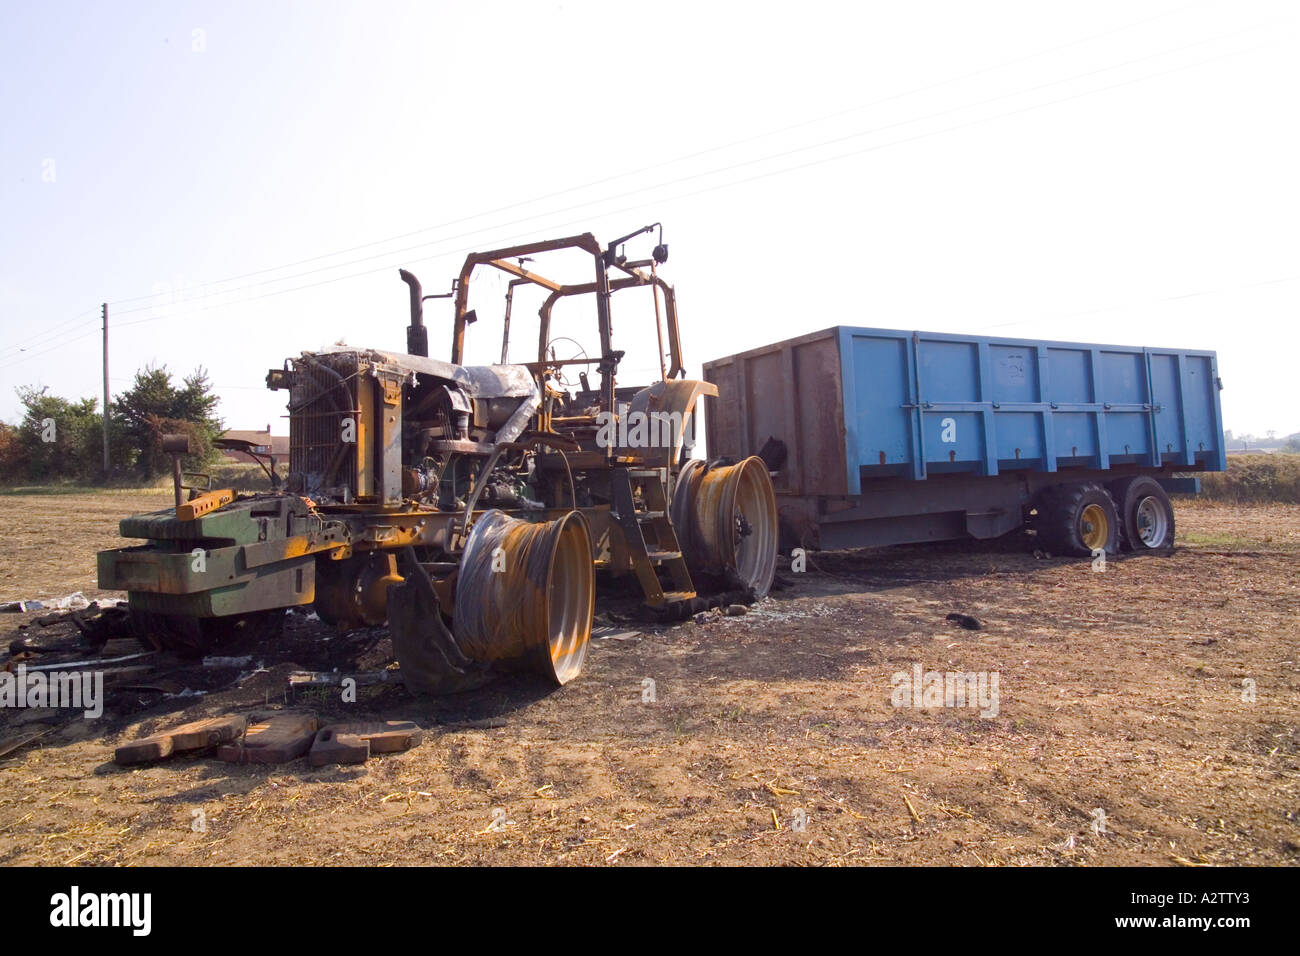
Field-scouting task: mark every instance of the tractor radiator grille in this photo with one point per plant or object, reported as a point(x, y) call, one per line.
point(323, 396)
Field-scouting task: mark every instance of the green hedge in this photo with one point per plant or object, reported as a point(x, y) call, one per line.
point(1255, 478)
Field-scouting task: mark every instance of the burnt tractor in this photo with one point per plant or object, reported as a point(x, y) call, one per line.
point(471, 509)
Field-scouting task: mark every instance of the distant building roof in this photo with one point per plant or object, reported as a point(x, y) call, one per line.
point(262, 441)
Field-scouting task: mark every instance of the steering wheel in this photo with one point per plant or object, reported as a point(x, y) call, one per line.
point(581, 352)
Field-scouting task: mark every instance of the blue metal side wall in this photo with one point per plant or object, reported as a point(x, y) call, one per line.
point(919, 403)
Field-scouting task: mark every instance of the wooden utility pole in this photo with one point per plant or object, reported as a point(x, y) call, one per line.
point(104, 307)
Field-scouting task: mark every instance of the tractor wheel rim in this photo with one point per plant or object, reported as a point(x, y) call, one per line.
point(1093, 527)
point(729, 521)
point(538, 605)
point(1152, 521)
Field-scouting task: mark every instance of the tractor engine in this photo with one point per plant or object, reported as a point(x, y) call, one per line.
point(375, 428)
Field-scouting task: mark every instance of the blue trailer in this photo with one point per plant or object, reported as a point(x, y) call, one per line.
point(877, 436)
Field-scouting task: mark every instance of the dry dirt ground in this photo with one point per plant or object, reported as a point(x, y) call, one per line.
point(1122, 734)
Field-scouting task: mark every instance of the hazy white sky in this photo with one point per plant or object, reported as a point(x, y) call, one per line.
point(1107, 172)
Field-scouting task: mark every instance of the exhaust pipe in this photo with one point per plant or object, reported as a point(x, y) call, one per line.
point(417, 336)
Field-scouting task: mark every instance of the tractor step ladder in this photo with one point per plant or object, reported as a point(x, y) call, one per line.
point(652, 523)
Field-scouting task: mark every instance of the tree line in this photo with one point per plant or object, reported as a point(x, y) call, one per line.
point(62, 439)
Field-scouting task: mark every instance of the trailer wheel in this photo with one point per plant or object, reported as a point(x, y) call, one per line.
point(1146, 514)
point(1078, 519)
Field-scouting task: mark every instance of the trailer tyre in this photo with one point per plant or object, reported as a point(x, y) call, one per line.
point(1078, 519)
point(1146, 514)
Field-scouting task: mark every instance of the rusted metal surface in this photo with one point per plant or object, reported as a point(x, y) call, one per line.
point(417, 336)
point(500, 258)
point(668, 404)
point(636, 280)
point(791, 390)
point(201, 505)
point(479, 381)
point(410, 476)
point(354, 592)
point(175, 446)
point(527, 591)
point(728, 516)
point(602, 288)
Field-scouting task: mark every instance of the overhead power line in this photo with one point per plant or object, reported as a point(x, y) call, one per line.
point(724, 185)
point(47, 334)
point(692, 155)
point(710, 172)
point(35, 340)
point(18, 359)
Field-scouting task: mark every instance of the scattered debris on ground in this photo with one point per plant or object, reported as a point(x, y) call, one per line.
point(198, 735)
point(1121, 691)
point(277, 739)
point(71, 602)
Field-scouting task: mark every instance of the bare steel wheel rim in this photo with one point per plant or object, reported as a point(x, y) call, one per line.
point(571, 601)
point(527, 590)
point(727, 521)
point(753, 532)
point(1152, 521)
point(1094, 527)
